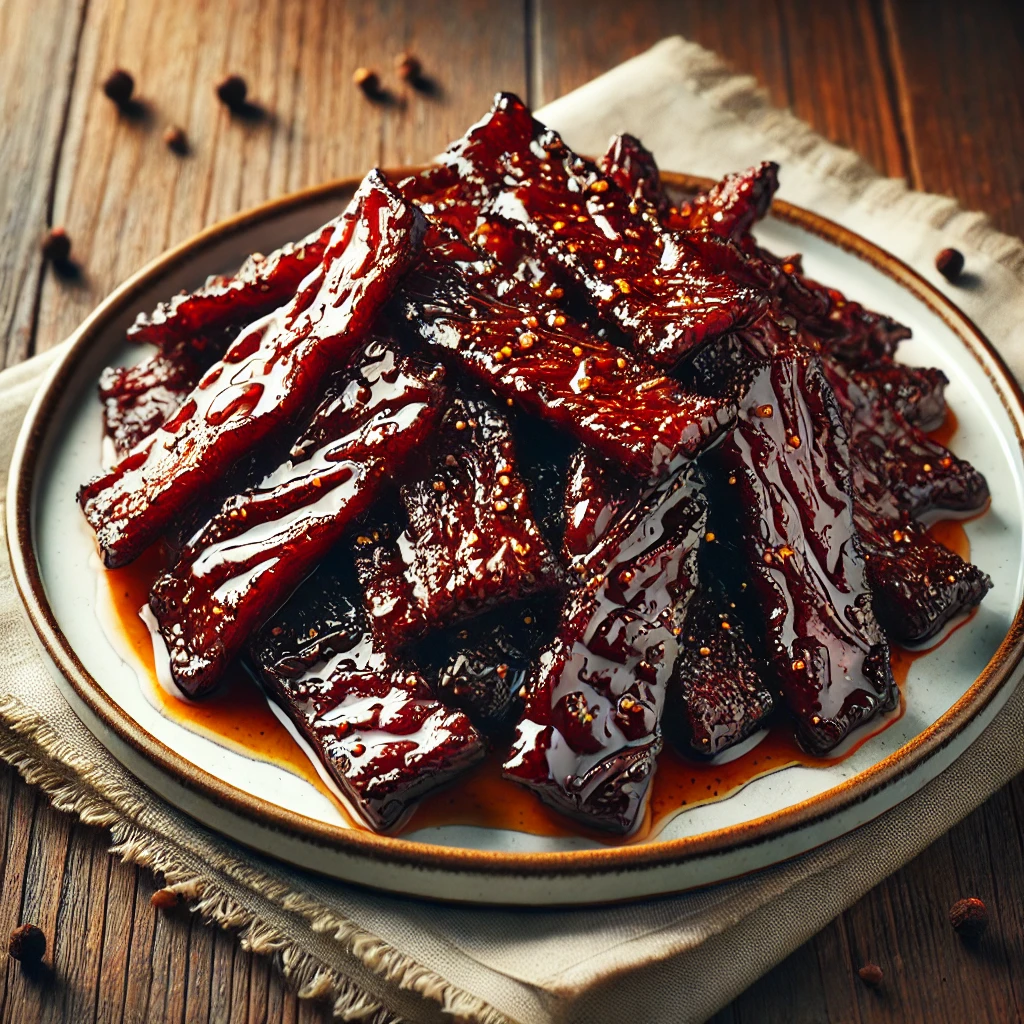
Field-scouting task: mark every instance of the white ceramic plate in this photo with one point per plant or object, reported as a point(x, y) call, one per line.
point(951, 693)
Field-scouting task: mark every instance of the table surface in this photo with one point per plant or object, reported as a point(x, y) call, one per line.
point(930, 91)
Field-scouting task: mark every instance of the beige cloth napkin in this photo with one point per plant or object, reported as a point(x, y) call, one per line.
point(675, 960)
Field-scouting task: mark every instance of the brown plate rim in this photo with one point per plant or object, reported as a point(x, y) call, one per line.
point(376, 847)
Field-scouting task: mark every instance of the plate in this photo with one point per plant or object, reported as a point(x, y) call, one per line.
point(951, 692)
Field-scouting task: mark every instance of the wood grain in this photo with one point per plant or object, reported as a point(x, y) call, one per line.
point(124, 197)
point(933, 91)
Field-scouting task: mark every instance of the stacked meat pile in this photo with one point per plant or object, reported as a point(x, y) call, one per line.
point(517, 454)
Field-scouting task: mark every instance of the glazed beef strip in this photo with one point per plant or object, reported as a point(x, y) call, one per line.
point(273, 372)
point(259, 286)
point(372, 723)
point(482, 666)
point(472, 540)
point(788, 465)
point(719, 694)
point(261, 544)
point(504, 333)
point(590, 733)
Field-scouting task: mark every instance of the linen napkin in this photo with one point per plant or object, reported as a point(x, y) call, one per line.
point(383, 958)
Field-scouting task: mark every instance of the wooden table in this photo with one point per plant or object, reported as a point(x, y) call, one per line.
point(930, 91)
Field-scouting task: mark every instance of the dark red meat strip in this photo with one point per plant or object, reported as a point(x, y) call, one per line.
point(595, 497)
point(138, 399)
point(372, 723)
point(590, 732)
point(262, 543)
point(921, 475)
point(507, 335)
point(719, 695)
point(918, 584)
point(632, 167)
point(649, 281)
point(472, 539)
point(261, 284)
point(788, 463)
point(269, 376)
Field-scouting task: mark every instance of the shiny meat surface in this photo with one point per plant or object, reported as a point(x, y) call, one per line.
point(371, 722)
point(472, 540)
point(271, 373)
point(590, 733)
point(252, 554)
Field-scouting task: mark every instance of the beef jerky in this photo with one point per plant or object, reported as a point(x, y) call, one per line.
point(261, 544)
point(590, 732)
point(373, 724)
point(472, 539)
point(272, 373)
point(260, 285)
point(719, 694)
point(505, 334)
point(788, 464)
point(595, 497)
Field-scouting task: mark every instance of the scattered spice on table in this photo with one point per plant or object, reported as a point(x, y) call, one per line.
point(950, 264)
point(408, 67)
point(56, 246)
point(232, 91)
point(165, 899)
point(969, 917)
point(176, 140)
point(27, 944)
point(368, 81)
point(871, 974)
point(118, 87)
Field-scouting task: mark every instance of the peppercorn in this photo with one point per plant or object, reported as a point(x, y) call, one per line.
point(969, 917)
point(871, 974)
point(28, 944)
point(56, 246)
point(231, 91)
point(368, 81)
point(164, 899)
point(950, 264)
point(119, 86)
point(176, 140)
point(408, 67)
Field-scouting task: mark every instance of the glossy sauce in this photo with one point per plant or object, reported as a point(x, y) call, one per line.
point(238, 716)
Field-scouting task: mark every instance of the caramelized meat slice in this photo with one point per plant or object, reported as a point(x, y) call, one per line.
point(917, 393)
point(729, 210)
point(272, 373)
point(918, 585)
point(595, 497)
point(719, 695)
point(632, 167)
point(649, 281)
point(788, 464)
point(138, 399)
point(373, 725)
point(261, 284)
point(263, 542)
point(590, 732)
point(506, 335)
point(472, 540)
point(921, 474)
point(482, 667)
point(732, 206)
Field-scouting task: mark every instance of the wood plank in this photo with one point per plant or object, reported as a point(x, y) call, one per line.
point(960, 76)
point(124, 197)
point(39, 47)
point(823, 60)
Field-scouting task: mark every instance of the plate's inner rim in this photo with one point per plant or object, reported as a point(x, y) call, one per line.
point(60, 383)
